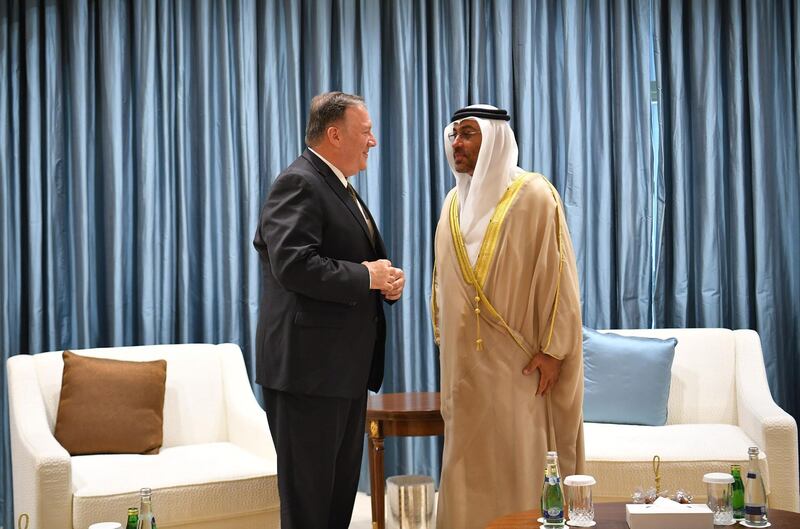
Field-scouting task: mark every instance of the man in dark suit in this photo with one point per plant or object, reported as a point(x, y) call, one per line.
point(321, 328)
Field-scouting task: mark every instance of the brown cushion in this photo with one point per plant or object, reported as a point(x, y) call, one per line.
point(111, 406)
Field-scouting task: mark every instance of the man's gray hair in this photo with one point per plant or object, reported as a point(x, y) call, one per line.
point(326, 109)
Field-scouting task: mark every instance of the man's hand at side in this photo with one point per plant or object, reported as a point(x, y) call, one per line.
point(549, 371)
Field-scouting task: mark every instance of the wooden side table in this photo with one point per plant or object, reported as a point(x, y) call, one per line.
point(401, 415)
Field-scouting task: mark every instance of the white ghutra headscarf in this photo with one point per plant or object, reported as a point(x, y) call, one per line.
point(495, 169)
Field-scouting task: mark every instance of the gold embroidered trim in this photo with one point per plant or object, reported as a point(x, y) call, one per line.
point(485, 255)
point(492, 236)
point(435, 306)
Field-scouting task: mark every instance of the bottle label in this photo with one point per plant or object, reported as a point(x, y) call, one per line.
point(554, 514)
point(553, 480)
point(755, 510)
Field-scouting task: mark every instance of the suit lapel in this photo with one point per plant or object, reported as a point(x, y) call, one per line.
point(377, 244)
point(344, 195)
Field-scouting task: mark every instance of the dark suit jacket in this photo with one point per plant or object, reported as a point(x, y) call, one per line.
point(321, 330)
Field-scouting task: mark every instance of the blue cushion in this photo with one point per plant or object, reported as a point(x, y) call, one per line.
point(626, 378)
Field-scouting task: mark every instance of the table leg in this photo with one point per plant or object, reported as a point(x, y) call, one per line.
point(376, 475)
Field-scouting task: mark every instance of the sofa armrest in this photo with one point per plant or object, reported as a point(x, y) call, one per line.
point(774, 430)
point(249, 429)
point(247, 422)
point(41, 469)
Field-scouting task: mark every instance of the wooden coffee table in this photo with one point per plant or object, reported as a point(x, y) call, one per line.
point(398, 414)
point(612, 516)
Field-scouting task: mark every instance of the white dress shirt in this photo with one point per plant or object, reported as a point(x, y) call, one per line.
point(342, 179)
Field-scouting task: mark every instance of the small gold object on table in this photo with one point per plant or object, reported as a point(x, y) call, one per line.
point(657, 472)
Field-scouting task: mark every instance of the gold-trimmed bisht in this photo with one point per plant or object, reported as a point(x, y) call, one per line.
point(477, 276)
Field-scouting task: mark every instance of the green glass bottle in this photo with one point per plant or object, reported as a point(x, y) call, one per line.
point(133, 518)
point(542, 508)
point(737, 493)
point(552, 494)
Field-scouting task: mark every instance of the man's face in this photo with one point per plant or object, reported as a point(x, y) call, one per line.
point(356, 140)
point(466, 144)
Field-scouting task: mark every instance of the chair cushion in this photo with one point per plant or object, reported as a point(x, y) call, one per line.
point(192, 483)
point(110, 406)
point(626, 378)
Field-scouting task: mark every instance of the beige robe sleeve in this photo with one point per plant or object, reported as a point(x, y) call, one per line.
point(557, 296)
point(443, 224)
point(435, 306)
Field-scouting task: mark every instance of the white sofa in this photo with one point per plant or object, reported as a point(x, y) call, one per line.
point(217, 467)
point(719, 405)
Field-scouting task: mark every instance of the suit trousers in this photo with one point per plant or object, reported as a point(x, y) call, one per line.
point(319, 442)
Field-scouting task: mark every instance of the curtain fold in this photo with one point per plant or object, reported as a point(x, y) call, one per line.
point(581, 110)
point(728, 79)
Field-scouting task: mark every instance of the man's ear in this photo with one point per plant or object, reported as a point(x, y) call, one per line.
point(333, 135)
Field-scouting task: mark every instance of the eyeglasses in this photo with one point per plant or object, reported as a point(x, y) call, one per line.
point(465, 136)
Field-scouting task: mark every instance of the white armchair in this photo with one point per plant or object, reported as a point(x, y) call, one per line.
point(217, 467)
point(719, 405)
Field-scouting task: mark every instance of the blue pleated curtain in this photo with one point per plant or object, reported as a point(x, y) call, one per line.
point(729, 241)
point(138, 139)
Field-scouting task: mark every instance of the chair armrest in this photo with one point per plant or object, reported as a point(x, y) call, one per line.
point(247, 422)
point(41, 468)
point(774, 430)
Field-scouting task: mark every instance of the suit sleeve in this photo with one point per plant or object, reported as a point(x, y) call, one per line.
point(291, 226)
